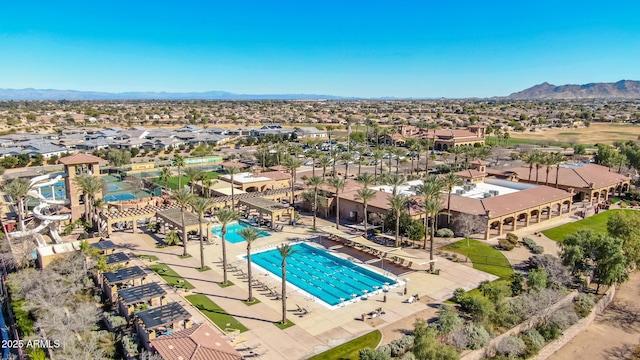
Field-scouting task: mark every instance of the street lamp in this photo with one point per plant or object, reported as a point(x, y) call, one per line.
point(406, 282)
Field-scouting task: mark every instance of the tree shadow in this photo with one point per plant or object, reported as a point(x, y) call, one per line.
point(623, 351)
point(624, 314)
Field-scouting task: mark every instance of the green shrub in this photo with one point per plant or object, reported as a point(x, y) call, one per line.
point(445, 233)
point(583, 304)
point(534, 342)
point(506, 244)
point(549, 331)
point(478, 336)
point(512, 238)
point(24, 320)
point(478, 307)
point(532, 245)
point(517, 281)
point(537, 279)
point(459, 295)
point(172, 238)
point(537, 249)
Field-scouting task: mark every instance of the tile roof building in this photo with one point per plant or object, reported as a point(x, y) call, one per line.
point(200, 342)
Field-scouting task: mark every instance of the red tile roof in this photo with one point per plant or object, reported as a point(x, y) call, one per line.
point(200, 342)
point(470, 173)
point(576, 177)
point(80, 159)
point(275, 175)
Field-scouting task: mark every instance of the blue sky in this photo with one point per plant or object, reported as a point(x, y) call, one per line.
point(349, 48)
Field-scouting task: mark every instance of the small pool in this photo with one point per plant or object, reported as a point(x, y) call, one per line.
point(323, 275)
point(113, 187)
point(119, 197)
point(232, 232)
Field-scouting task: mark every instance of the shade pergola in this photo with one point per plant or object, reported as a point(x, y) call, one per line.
point(173, 217)
point(266, 207)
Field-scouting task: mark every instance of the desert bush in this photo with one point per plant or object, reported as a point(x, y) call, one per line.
point(478, 336)
point(517, 281)
point(408, 356)
point(583, 304)
point(511, 346)
point(512, 238)
point(459, 295)
point(372, 354)
point(534, 342)
point(172, 238)
point(478, 307)
point(537, 279)
point(495, 291)
point(549, 331)
point(506, 244)
point(557, 274)
point(445, 233)
point(564, 317)
point(509, 313)
point(448, 320)
point(399, 347)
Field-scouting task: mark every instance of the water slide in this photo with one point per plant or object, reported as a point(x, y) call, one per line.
point(40, 211)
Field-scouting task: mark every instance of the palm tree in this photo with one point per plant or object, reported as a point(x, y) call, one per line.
point(285, 251)
point(201, 206)
point(165, 176)
point(249, 234)
point(397, 203)
point(432, 208)
point(232, 171)
point(552, 159)
point(225, 216)
point(18, 189)
point(427, 155)
point(178, 161)
point(416, 149)
point(366, 195)
point(324, 162)
point(91, 186)
point(183, 198)
point(395, 181)
point(538, 160)
point(559, 160)
point(430, 190)
point(346, 157)
point(529, 158)
point(456, 151)
point(193, 175)
point(365, 179)
point(206, 185)
point(450, 181)
point(314, 154)
point(399, 154)
point(338, 184)
point(292, 164)
point(378, 154)
point(314, 182)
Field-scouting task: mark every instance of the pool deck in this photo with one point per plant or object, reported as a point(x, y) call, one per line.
point(322, 327)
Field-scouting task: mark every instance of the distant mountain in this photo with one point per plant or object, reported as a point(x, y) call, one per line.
point(52, 94)
point(623, 89)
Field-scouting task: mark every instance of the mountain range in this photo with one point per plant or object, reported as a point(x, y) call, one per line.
point(53, 94)
point(623, 89)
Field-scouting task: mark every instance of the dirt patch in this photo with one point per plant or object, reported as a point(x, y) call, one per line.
point(614, 334)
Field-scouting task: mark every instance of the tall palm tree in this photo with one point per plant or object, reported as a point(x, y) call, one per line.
point(456, 151)
point(178, 161)
point(430, 189)
point(91, 186)
point(206, 185)
point(378, 155)
point(552, 159)
point(18, 189)
point(365, 179)
point(263, 150)
point(559, 160)
point(346, 157)
point(165, 176)
point(394, 181)
point(315, 182)
point(365, 195)
point(285, 250)
point(529, 158)
point(193, 175)
point(183, 198)
point(314, 154)
point(201, 206)
point(324, 162)
point(399, 154)
point(432, 208)
point(416, 149)
point(225, 216)
point(249, 234)
point(450, 181)
point(397, 204)
point(292, 164)
point(232, 171)
point(538, 161)
point(338, 184)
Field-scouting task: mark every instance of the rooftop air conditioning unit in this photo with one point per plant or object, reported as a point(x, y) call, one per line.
point(487, 195)
point(459, 192)
point(494, 192)
point(467, 187)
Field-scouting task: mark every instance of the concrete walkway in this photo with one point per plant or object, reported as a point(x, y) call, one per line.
point(322, 328)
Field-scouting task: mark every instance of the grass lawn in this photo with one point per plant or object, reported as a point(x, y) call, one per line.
point(206, 268)
point(173, 181)
point(170, 276)
point(596, 223)
point(229, 283)
point(351, 349)
point(148, 257)
point(484, 257)
point(215, 313)
point(284, 326)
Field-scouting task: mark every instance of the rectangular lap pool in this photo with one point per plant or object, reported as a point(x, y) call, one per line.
point(232, 232)
point(323, 275)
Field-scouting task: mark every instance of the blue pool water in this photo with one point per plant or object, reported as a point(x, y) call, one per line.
point(113, 187)
point(322, 274)
point(232, 232)
point(119, 197)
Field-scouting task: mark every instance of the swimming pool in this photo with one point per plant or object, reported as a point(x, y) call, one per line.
point(323, 275)
point(232, 232)
point(119, 197)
